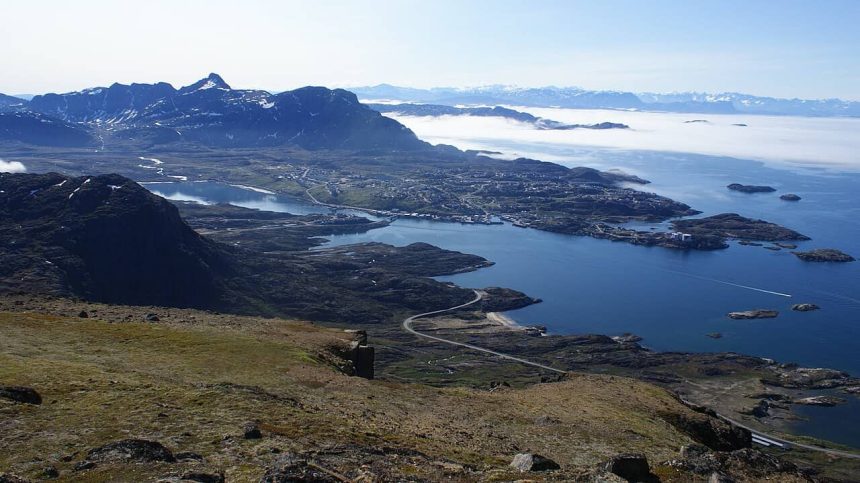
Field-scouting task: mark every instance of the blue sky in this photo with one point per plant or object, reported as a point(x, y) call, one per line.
point(782, 48)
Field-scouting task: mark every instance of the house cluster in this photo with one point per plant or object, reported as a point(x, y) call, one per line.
point(681, 237)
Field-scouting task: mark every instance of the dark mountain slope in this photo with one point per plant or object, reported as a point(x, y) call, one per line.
point(104, 238)
point(107, 239)
point(33, 128)
point(10, 102)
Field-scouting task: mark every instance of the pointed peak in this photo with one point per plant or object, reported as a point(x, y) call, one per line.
point(212, 81)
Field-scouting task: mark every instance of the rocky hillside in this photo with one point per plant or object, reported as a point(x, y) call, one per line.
point(195, 396)
point(106, 238)
point(210, 112)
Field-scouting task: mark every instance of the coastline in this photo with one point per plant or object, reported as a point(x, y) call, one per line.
point(503, 320)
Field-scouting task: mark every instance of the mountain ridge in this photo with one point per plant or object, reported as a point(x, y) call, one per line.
point(578, 98)
point(211, 113)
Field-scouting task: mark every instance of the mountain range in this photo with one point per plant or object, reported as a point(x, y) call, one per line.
point(208, 112)
point(577, 98)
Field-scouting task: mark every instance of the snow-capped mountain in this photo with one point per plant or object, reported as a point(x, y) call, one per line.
point(574, 97)
point(212, 113)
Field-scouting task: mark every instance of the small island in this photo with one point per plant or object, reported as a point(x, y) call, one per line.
point(732, 225)
point(824, 255)
point(753, 314)
point(804, 307)
point(790, 197)
point(749, 188)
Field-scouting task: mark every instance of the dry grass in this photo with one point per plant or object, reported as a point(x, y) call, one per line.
point(191, 385)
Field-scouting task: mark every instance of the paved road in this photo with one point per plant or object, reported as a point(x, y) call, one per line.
point(407, 325)
point(344, 207)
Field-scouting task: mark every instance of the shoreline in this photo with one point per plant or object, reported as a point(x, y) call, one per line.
point(503, 320)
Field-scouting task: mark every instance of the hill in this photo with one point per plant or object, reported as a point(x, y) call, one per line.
point(106, 238)
point(198, 395)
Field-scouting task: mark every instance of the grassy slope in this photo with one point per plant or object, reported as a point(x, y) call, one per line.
point(191, 385)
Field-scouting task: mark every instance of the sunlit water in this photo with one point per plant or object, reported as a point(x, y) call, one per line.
point(671, 298)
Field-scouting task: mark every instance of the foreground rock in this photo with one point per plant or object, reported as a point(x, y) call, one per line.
point(21, 394)
point(631, 467)
point(804, 307)
point(748, 188)
point(824, 255)
point(131, 450)
point(533, 462)
point(742, 465)
point(754, 314)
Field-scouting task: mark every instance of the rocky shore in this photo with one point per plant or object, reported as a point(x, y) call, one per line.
point(824, 255)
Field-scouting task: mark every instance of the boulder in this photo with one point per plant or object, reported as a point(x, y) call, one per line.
point(630, 466)
point(804, 307)
point(10, 478)
point(131, 450)
point(83, 314)
point(21, 394)
point(524, 462)
point(251, 431)
point(152, 318)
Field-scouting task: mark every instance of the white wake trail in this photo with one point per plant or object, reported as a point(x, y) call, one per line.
point(724, 282)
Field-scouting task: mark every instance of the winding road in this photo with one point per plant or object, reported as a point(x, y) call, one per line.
point(407, 325)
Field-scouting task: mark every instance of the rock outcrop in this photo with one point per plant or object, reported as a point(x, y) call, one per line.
point(631, 467)
point(524, 462)
point(20, 394)
point(131, 450)
point(754, 314)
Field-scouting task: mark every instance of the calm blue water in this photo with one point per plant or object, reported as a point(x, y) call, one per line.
point(670, 298)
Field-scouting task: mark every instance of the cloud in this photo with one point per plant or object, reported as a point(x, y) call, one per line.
point(796, 141)
point(12, 167)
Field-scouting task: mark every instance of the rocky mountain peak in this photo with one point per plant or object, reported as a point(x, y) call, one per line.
point(212, 81)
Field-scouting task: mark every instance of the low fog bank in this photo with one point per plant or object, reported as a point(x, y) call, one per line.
point(12, 167)
point(795, 141)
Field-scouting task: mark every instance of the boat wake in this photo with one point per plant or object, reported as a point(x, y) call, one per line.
point(725, 282)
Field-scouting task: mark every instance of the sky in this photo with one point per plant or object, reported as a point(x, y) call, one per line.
point(780, 48)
